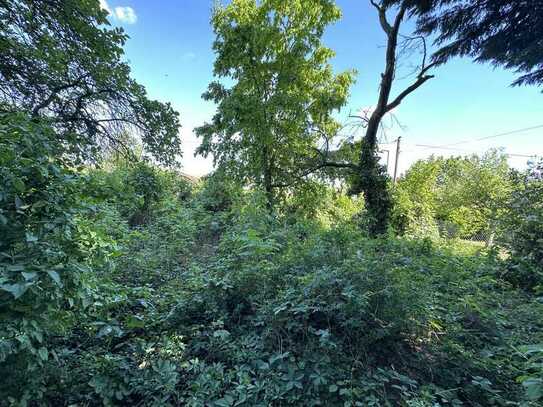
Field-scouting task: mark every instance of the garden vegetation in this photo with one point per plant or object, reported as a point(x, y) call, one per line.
point(263, 284)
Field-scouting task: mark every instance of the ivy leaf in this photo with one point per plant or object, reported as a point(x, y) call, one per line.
point(533, 388)
point(29, 275)
point(17, 290)
point(31, 238)
point(18, 203)
point(56, 278)
point(43, 353)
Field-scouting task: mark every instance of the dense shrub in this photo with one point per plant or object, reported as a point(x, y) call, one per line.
point(218, 192)
point(304, 315)
point(414, 210)
point(215, 301)
point(145, 183)
point(452, 197)
point(315, 201)
point(44, 251)
point(521, 229)
point(160, 250)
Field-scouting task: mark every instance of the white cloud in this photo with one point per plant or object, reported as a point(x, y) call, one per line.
point(123, 14)
point(126, 15)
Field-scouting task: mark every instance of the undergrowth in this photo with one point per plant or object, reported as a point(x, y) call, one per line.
point(208, 300)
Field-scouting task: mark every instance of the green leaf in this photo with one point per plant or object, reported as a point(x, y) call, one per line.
point(135, 321)
point(529, 349)
point(533, 388)
point(225, 402)
point(332, 388)
point(38, 335)
point(104, 331)
point(221, 333)
point(56, 278)
point(43, 353)
point(29, 275)
point(18, 202)
point(17, 290)
point(30, 237)
point(262, 365)
point(86, 301)
point(19, 185)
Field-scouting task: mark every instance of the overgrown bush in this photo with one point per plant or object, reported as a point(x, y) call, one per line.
point(414, 209)
point(218, 192)
point(459, 197)
point(44, 252)
point(215, 301)
point(145, 183)
point(521, 229)
point(318, 202)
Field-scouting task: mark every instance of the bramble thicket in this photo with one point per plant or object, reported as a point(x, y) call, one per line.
point(268, 282)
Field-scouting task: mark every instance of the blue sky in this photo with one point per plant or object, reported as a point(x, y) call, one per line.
point(170, 53)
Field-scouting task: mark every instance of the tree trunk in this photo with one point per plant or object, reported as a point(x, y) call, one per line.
point(372, 178)
point(268, 189)
point(373, 183)
point(268, 180)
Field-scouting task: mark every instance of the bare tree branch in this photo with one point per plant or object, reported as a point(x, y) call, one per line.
point(421, 77)
point(414, 86)
point(382, 17)
point(54, 93)
point(399, 18)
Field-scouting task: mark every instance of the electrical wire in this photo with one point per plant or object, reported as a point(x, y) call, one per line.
point(471, 151)
point(493, 136)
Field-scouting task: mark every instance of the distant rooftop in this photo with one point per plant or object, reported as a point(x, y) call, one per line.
point(188, 177)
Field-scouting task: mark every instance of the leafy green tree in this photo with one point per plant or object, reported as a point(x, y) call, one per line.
point(283, 90)
point(145, 181)
point(60, 59)
point(521, 227)
point(464, 195)
point(471, 193)
point(41, 263)
point(415, 200)
point(503, 32)
point(366, 175)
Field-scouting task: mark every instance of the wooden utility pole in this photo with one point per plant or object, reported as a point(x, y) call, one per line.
point(397, 157)
point(388, 158)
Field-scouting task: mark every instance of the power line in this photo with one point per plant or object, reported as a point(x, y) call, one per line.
point(471, 151)
point(540, 126)
point(447, 146)
point(494, 136)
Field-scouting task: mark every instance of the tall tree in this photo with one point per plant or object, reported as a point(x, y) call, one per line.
point(503, 32)
point(283, 92)
point(464, 195)
point(60, 59)
point(367, 176)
